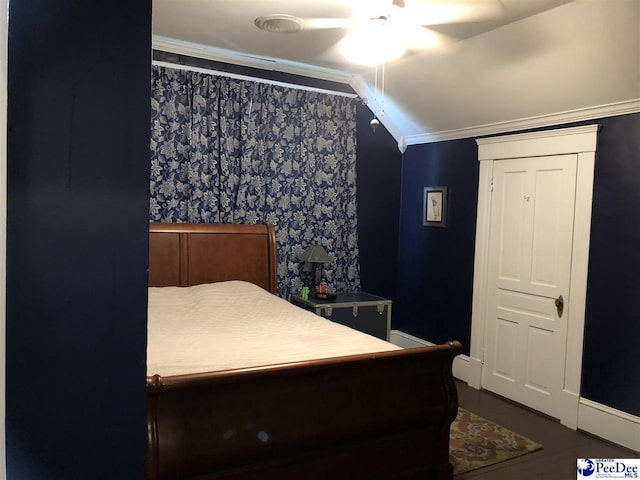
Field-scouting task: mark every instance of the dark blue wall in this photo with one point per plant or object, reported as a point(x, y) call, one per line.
point(436, 265)
point(611, 360)
point(379, 167)
point(78, 173)
point(435, 271)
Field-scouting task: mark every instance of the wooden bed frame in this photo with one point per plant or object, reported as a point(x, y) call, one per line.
point(380, 415)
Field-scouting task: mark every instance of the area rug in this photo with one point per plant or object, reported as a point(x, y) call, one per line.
point(476, 442)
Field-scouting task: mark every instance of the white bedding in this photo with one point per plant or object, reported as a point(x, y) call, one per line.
point(237, 324)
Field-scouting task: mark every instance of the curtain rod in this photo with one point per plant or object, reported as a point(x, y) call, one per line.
point(253, 79)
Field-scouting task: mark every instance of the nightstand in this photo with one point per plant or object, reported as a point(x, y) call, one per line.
point(359, 310)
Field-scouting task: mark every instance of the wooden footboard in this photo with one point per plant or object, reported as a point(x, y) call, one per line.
point(380, 416)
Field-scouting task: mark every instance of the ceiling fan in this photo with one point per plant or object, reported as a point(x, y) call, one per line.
point(379, 31)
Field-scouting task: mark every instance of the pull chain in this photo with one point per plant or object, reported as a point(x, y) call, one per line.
point(375, 123)
point(382, 99)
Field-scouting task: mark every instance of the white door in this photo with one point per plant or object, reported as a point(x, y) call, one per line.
point(529, 265)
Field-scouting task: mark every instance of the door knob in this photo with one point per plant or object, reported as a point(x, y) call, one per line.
point(559, 305)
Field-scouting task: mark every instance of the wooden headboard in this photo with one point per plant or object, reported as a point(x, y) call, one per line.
point(185, 254)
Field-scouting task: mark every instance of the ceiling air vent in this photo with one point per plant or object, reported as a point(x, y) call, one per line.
point(279, 23)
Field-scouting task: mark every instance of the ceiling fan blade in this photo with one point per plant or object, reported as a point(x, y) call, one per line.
point(440, 12)
point(428, 39)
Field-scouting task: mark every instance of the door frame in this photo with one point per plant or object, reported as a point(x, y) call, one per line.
point(580, 141)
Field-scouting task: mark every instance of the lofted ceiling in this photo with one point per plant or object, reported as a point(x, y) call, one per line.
point(493, 66)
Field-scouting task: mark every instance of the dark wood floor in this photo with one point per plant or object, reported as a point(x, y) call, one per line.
point(562, 446)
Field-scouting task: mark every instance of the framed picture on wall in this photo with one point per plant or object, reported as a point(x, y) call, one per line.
point(434, 207)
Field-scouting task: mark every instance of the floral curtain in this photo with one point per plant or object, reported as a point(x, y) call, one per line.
point(234, 151)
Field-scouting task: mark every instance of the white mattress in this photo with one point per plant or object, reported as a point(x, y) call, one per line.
point(228, 325)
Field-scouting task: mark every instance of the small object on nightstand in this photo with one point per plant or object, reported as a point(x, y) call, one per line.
point(305, 293)
point(329, 297)
point(323, 292)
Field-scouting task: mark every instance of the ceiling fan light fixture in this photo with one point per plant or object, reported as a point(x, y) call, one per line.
point(279, 23)
point(371, 45)
point(380, 32)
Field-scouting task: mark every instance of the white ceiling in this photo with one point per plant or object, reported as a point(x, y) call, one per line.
point(519, 63)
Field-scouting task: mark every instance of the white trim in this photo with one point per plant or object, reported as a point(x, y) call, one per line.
point(197, 50)
point(461, 367)
point(356, 81)
point(364, 90)
point(579, 269)
point(405, 340)
point(605, 422)
point(559, 141)
point(609, 423)
point(582, 142)
point(475, 373)
point(480, 264)
point(295, 86)
point(578, 115)
point(4, 45)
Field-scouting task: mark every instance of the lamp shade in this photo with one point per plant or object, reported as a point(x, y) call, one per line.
point(314, 253)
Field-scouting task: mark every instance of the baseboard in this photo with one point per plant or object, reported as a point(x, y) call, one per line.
point(460, 363)
point(475, 373)
point(608, 423)
point(600, 420)
point(404, 340)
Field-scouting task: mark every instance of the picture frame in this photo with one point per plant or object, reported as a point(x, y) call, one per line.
point(434, 206)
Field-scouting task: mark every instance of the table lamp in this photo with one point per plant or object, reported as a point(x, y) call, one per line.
point(315, 255)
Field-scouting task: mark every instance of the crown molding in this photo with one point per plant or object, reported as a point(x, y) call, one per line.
point(191, 49)
point(364, 91)
point(571, 116)
point(356, 81)
point(253, 79)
